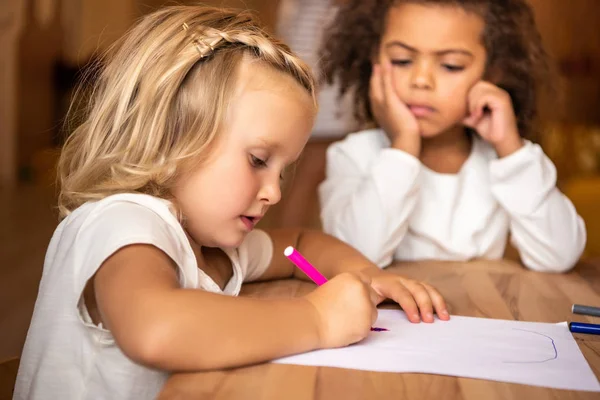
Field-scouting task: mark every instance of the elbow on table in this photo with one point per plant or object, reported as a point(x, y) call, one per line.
point(157, 348)
point(146, 345)
point(558, 262)
point(559, 255)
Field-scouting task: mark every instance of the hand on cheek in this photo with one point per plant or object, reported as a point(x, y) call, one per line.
point(392, 115)
point(491, 114)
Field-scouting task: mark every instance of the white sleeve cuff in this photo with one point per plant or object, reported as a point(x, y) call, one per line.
point(522, 181)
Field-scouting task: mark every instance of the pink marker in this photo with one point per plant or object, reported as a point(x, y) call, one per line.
point(299, 261)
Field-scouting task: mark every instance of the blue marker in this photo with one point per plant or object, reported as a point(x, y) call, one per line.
point(580, 327)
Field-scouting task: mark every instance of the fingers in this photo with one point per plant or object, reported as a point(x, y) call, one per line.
point(376, 95)
point(428, 299)
point(389, 93)
point(418, 300)
point(401, 295)
point(375, 299)
point(366, 280)
point(422, 299)
point(376, 85)
point(373, 295)
point(382, 89)
point(439, 304)
point(374, 315)
point(475, 103)
point(484, 95)
point(471, 121)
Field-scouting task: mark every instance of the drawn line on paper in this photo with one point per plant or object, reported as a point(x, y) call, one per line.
point(536, 362)
point(375, 329)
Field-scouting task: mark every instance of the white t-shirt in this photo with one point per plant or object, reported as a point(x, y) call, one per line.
point(66, 356)
point(388, 205)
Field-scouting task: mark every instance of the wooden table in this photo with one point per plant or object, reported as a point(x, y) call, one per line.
point(490, 289)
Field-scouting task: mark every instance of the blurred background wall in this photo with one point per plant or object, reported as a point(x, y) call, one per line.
point(47, 42)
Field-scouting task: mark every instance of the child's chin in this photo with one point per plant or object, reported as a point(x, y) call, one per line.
point(430, 131)
point(233, 241)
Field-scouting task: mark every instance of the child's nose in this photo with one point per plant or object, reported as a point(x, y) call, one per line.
point(271, 191)
point(422, 76)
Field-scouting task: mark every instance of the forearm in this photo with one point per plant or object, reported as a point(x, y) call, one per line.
point(545, 227)
point(552, 238)
point(330, 256)
point(192, 330)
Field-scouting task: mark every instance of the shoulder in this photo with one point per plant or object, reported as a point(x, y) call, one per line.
point(124, 219)
point(253, 255)
point(98, 229)
point(126, 211)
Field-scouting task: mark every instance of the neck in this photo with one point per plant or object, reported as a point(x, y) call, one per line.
point(446, 152)
point(197, 249)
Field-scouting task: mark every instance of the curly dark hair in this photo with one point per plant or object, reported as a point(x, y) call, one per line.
point(516, 56)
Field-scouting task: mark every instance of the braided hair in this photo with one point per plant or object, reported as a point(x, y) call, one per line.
point(160, 99)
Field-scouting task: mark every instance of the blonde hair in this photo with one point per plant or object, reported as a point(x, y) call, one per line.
point(160, 100)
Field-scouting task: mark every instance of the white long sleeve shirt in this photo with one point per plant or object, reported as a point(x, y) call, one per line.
point(389, 206)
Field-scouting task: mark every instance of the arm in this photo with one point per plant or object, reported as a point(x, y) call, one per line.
point(328, 254)
point(333, 257)
point(158, 324)
point(545, 227)
point(369, 208)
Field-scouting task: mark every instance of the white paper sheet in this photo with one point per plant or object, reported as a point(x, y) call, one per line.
point(530, 353)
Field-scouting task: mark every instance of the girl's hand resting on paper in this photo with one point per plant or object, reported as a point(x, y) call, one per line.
point(392, 115)
point(346, 307)
point(419, 300)
point(492, 115)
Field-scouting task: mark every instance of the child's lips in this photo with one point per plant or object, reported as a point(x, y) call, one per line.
point(419, 110)
point(250, 221)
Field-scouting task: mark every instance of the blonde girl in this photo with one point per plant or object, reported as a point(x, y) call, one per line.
point(194, 118)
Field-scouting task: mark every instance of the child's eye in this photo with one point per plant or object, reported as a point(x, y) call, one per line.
point(453, 68)
point(257, 162)
point(401, 63)
point(260, 163)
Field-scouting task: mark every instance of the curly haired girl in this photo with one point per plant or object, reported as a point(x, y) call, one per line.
point(452, 86)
